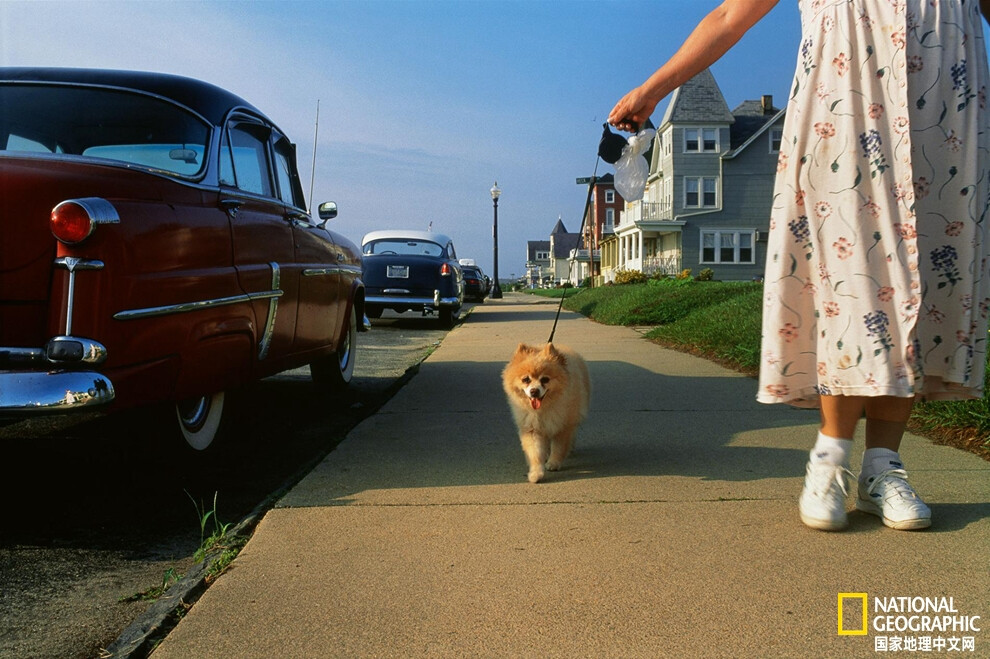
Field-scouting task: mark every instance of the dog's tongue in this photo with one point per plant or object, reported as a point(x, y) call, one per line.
point(535, 402)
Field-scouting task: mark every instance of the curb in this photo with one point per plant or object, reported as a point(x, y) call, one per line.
point(139, 639)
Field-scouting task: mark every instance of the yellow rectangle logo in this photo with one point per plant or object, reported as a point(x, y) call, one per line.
point(862, 631)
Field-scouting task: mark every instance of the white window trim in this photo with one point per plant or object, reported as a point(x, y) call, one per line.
point(701, 139)
point(610, 196)
point(701, 191)
point(718, 252)
point(779, 131)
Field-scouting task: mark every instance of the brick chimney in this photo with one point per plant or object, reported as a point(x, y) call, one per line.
point(766, 102)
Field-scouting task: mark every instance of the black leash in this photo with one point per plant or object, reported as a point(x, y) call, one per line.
point(584, 217)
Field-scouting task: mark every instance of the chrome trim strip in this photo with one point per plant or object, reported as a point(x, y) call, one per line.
point(266, 337)
point(100, 210)
point(183, 307)
point(331, 270)
point(315, 272)
point(59, 391)
point(73, 263)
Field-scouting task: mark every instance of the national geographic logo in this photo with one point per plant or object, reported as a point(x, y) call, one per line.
point(856, 602)
point(908, 624)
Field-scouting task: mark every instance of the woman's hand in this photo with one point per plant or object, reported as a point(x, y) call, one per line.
point(632, 110)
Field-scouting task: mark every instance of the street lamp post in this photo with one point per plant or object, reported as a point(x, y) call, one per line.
point(496, 287)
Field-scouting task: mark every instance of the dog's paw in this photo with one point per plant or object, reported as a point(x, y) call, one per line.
point(535, 475)
point(553, 465)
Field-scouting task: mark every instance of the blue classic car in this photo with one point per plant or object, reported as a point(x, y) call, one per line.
point(411, 271)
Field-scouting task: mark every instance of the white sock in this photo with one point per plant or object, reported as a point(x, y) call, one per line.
point(831, 450)
point(877, 460)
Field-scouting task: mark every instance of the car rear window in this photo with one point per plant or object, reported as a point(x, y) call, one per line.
point(399, 246)
point(102, 123)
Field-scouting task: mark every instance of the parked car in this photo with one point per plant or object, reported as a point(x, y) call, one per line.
point(157, 249)
point(475, 286)
point(411, 270)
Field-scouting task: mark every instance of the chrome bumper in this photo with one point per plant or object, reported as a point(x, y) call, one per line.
point(33, 392)
point(386, 300)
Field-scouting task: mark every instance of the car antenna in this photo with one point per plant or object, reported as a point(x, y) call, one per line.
point(316, 134)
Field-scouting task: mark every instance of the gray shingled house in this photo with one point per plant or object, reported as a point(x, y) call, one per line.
point(708, 196)
point(562, 243)
point(537, 263)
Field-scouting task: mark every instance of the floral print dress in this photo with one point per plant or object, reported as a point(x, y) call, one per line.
point(876, 278)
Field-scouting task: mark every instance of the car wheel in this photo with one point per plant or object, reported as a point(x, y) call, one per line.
point(448, 317)
point(202, 419)
point(335, 371)
point(373, 312)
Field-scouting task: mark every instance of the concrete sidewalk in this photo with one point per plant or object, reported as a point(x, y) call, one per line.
point(672, 531)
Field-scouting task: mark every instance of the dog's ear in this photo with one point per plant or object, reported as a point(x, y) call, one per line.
point(551, 353)
point(522, 348)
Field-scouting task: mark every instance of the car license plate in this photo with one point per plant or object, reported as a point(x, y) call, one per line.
point(398, 272)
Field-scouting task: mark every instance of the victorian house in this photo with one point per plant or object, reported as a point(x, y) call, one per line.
point(602, 210)
point(708, 196)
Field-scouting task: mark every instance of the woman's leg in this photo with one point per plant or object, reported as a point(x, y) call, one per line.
point(883, 487)
point(840, 414)
point(886, 419)
point(823, 500)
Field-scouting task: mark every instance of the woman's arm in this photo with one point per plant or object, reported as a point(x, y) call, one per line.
point(712, 37)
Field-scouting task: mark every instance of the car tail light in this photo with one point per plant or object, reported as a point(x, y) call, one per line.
point(73, 220)
point(446, 270)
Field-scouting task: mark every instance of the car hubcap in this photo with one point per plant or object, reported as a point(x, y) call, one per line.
point(193, 412)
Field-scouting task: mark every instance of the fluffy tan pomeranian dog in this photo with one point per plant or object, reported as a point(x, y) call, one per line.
point(548, 390)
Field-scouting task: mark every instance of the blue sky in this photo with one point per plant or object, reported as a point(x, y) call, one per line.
point(423, 103)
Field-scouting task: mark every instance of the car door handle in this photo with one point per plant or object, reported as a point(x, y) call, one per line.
point(231, 206)
point(300, 217)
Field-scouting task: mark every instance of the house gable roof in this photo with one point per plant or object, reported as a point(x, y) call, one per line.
point(563, 243)
point(699, 100)
point(750, 118)
point(736, 150)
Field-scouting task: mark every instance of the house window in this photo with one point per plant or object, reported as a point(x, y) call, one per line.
point(700, 140)
point(610, 196)
point(542, 256)
point(700, 192)
point(609, 219)
point(776, 136)
point(728, 246)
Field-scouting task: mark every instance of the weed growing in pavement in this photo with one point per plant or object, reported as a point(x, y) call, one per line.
point(219, 545)
point(168, 578)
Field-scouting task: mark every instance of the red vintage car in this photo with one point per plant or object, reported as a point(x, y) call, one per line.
point(156, 248)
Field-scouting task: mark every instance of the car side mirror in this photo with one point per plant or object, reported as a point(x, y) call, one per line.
point(327, 211)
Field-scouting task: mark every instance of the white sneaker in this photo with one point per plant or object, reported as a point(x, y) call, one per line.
point(823, 499)
point(889, 496)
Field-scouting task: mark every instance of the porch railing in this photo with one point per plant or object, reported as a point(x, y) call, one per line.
point(664, 265)
point(647, 211)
